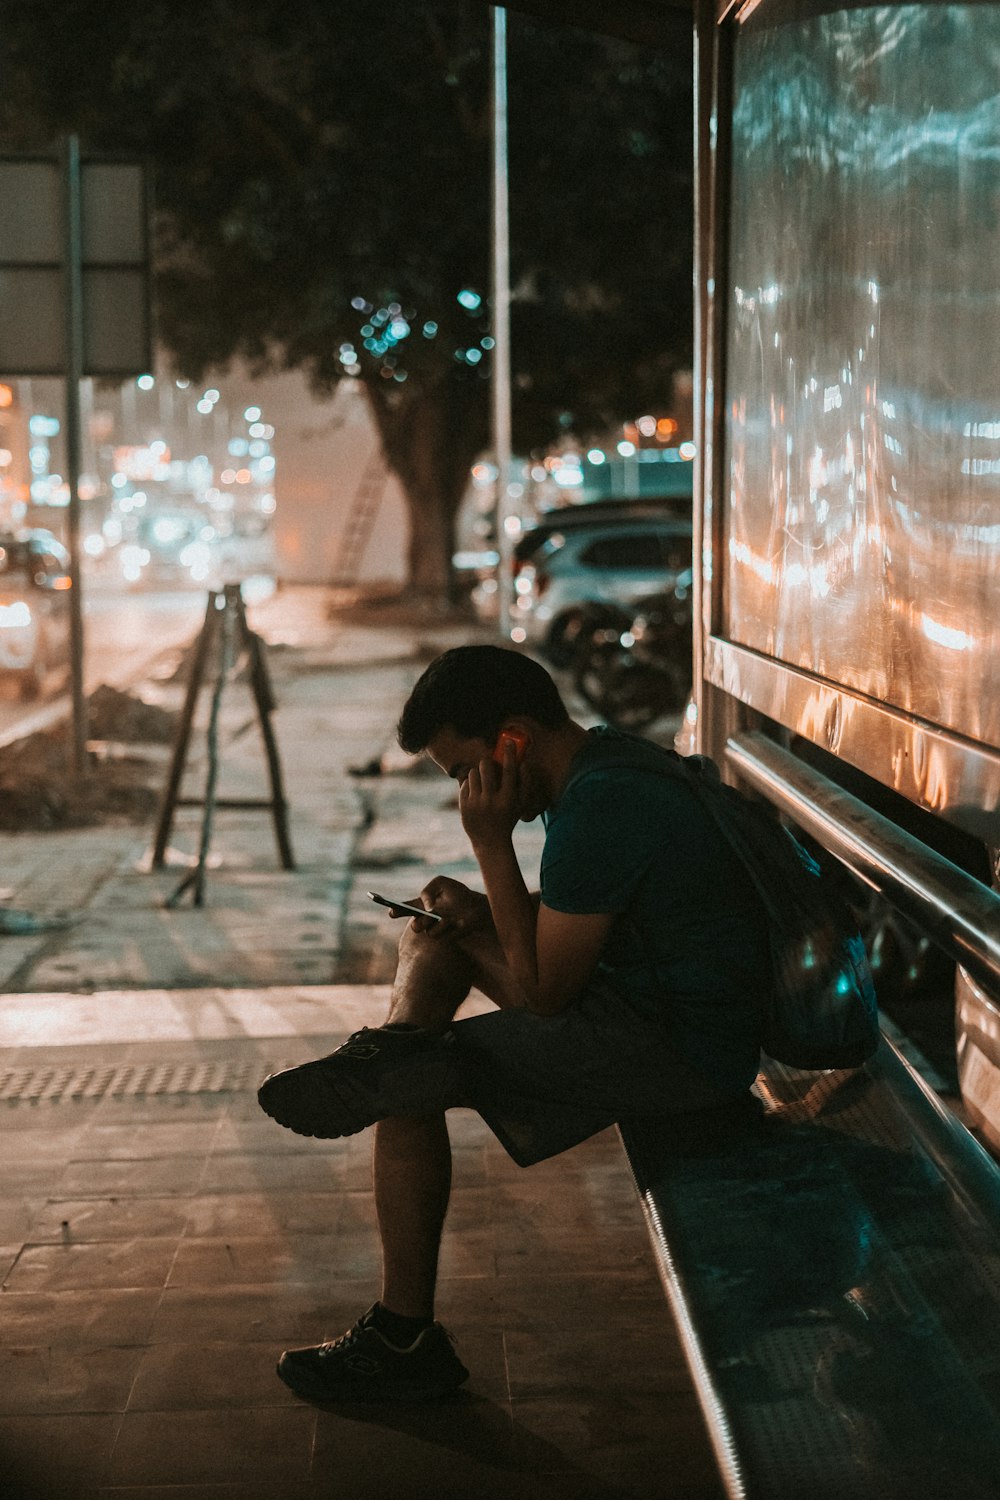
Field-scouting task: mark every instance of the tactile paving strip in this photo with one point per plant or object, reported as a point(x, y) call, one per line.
point(131, 1080)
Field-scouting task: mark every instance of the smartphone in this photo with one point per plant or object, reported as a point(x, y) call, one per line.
point(515, 737)
point(418, 911)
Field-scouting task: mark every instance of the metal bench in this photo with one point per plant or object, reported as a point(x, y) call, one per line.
point(834, 1269)
point(832, 1258)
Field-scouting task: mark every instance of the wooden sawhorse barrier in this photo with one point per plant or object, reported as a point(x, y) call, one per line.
point(226, 629)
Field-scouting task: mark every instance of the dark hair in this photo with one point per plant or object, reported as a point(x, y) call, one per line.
point(474, 690)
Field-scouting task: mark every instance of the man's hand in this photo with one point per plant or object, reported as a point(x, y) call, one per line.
point(489, 800)
point(460, 909)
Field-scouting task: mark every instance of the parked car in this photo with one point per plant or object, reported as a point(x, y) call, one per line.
point(34, 609)
point(604, 554)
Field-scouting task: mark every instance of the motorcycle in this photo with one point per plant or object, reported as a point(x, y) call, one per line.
point(633, 669)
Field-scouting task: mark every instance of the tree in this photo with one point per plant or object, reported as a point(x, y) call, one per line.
point(322, 193)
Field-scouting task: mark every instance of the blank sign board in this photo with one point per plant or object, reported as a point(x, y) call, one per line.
point(114, 247)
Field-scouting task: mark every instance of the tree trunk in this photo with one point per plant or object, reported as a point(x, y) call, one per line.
point(430, 436)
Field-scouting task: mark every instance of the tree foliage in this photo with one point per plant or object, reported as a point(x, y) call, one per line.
point(323, 201)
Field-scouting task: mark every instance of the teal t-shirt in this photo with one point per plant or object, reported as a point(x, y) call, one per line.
point(689, 946)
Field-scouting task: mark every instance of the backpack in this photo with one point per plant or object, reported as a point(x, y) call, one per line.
point(822, 1010)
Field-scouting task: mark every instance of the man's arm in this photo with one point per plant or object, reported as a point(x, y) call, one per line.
point(551, 955)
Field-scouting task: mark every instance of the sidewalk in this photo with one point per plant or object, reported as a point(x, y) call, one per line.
point(161, 1241)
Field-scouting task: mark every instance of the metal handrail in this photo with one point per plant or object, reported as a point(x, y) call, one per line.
point(957, 912)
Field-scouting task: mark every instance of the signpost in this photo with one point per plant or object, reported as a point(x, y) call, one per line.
point(74, 301)
point(501, 317)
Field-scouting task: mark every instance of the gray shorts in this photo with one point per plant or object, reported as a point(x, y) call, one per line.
point(546, 1083)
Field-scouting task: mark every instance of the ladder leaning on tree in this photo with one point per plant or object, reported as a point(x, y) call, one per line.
point(364, 508)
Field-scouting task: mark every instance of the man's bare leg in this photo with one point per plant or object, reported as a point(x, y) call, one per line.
point(411, 1157)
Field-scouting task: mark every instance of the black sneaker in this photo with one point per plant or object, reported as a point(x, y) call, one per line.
point(363, 1366)
point(377, 1072)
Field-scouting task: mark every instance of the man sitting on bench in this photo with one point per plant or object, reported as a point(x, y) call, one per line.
point(630, 985)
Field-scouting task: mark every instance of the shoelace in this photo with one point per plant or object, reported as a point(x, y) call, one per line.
point(346, 1341)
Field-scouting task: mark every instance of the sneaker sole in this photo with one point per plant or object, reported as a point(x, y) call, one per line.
point(312, 1105)
point(325, 1100)
point(382, 1396)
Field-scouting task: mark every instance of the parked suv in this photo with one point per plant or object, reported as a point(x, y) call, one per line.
point(595, 554)
point(34, 609)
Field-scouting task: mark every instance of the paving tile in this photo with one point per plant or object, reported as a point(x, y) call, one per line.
point(568, 1360)
point(72, 1267)
point(170, 1138)
point(94, 1318)
point(457, 1447)
point(314, 1171)
point(468, 1251)
point(201, 1376)
point(247, 1214)
point(56, 1378)
point(259, 1135)
point(87, 1220)
point(32, 1179)
point(622, 1297)
point(26, 1140)
point(158, 1109)
point(199, 1447)
point(521, 1244)
point(246, 1261)
point(286, 1315)
point(649, 1447)
point(480, 1347)
point(152, 1178)
point(242, 1490)
point(51, 1457)
point(16, 1218)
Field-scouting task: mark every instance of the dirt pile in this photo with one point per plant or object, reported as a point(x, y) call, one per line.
point(113, 715)
point(39, 788)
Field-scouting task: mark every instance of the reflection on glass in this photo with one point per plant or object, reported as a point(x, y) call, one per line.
point(863, 514)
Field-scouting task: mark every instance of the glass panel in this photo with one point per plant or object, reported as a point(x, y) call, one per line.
point(863, 514)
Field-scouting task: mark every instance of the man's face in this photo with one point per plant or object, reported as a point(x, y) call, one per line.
point(456, 755)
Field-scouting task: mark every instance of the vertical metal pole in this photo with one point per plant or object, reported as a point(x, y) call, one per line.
point(501, 314)
point(73, 296)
